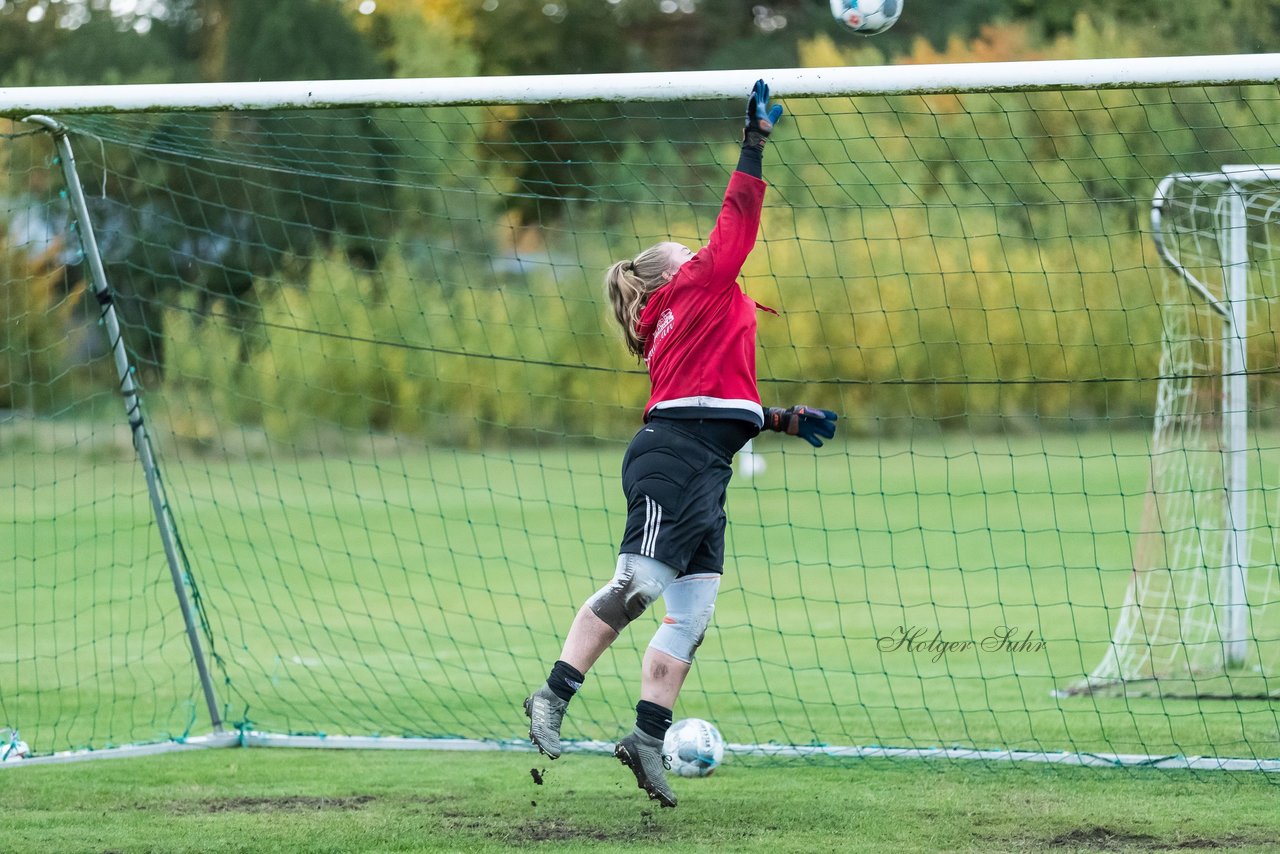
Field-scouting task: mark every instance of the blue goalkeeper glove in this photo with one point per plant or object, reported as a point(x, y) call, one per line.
point(812, 425)
point(760, 116)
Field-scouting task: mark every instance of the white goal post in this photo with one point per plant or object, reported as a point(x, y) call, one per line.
point(1233, 308)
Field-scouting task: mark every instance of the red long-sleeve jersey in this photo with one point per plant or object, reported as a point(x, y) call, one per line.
point(699, 329)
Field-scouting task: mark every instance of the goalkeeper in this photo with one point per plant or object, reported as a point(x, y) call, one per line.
point(695, 328)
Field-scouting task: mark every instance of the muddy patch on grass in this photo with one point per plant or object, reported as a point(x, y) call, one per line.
point(549, 830)
point(555, 830)
point(1108, 839)
point(1100, 839)
point(285, 803)
point(559, 831)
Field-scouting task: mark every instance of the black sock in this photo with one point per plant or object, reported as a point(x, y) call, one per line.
point(652, 719)
point(564, 681)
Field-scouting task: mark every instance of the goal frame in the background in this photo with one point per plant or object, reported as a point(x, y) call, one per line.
point(1221, 198)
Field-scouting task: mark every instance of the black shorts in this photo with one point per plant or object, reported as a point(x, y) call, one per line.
point(675, 474)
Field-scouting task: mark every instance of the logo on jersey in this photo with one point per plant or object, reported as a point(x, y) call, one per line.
point(665, 322)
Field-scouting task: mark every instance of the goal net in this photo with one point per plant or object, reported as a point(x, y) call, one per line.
point(364, 353)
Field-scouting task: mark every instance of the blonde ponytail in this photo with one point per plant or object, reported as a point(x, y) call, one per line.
point(628, 285)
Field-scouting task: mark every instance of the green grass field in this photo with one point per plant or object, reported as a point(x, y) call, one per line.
point(304, 800)
point(389, 590)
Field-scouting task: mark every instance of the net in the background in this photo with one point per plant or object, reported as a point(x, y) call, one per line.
point(390, 410)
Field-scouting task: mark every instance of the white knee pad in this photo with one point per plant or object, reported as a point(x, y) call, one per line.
point(636, 584)
point(690, 602)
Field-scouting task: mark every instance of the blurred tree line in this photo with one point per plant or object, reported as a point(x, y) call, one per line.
point(96, 41)
point(339, 187)
point(51, 42)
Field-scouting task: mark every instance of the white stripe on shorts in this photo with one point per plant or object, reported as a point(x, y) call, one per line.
point(648, 527)
point(652, 522)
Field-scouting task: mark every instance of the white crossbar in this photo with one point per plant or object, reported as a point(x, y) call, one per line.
point(1121, 73)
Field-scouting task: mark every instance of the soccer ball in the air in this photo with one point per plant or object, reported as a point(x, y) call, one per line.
point(867, 17)
point(695, 747)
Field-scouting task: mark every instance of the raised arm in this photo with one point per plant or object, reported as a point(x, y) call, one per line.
point(736, 227)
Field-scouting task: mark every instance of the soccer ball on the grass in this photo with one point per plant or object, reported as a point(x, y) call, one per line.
point(12, 748)
point(695, 747)
point(867, 17)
